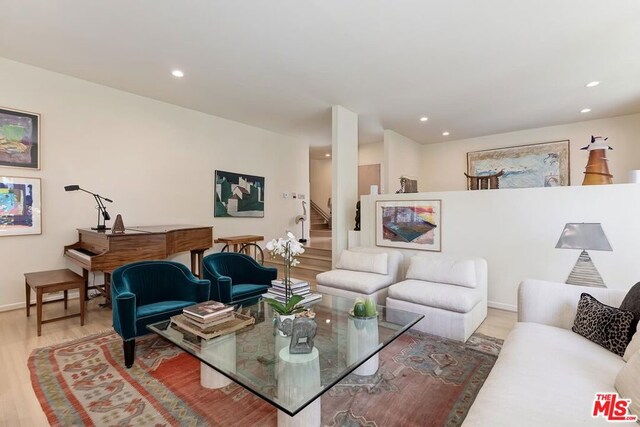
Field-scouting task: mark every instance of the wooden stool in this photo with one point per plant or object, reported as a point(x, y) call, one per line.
point(44, 282)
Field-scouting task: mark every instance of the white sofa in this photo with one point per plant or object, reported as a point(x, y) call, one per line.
point(452, 295)
point(547, 375)
point(354, 275)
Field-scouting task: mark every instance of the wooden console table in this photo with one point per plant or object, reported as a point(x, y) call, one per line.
point(239, 241)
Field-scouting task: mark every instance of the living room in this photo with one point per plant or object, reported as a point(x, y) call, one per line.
point(257, 92)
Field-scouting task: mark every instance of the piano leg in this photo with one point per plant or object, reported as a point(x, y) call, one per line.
point(85, 276)
point(196, 262)
point(107, 290)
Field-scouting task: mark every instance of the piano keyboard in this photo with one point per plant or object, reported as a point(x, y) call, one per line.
point(80, 255)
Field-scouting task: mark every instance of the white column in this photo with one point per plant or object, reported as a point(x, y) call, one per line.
point(344, 194)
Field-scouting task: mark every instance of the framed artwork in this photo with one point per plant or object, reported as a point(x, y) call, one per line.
point(19, 139)
point(525, 166)
point(411, 224)
point(20, 210)
point(238, 195)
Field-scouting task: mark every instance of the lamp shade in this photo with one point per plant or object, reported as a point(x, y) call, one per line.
point(581, 235)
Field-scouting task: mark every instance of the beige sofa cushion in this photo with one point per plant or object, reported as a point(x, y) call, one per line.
point(355, 281)
point(633, 347)
point(363, 261)
point(628, 383)
point(453, 272)
point(438, 295)
point(545, 376)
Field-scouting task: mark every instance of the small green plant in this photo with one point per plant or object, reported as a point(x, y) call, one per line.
point(286, 309)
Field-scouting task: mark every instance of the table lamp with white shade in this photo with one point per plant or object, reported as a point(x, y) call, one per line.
point(585, 236)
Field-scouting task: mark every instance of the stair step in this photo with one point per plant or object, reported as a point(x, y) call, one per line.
point(277, 262)
point(317, 251)
point(320, 233)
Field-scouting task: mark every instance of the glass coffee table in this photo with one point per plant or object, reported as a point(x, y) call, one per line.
point(258, 358)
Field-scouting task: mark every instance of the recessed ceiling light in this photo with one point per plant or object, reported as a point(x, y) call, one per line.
point(424, 119)
point(327, 155)
point(592, 84)
point(585, 110)
point(177, 73)
point(445, 133)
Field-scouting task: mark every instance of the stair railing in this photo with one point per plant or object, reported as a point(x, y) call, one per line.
point(323, 214)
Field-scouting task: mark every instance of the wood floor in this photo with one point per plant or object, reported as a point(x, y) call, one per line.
point(18, 403)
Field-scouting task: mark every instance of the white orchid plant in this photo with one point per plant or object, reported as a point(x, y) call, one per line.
point(288, 249)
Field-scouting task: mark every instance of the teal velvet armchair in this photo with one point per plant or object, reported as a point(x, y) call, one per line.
point(236, 278)
point(151, 291)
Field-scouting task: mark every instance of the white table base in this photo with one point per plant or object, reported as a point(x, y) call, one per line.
point(222, 351)
point(299, 379)
point(362, 336)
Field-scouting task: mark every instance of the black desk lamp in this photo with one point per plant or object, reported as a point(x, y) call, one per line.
point(102, 210)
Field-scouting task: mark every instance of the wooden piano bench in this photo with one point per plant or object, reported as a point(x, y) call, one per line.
point(44, 282)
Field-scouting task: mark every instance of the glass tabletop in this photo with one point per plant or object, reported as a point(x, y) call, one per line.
point(258, 357)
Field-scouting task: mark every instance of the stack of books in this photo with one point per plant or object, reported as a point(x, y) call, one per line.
point(210, 319)
point(208, 314)
point(297, 287)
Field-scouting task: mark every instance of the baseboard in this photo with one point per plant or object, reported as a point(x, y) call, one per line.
point(73, 294)
point(502, 306)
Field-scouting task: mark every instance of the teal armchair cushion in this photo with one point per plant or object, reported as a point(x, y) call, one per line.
point(150, 291)
point(235, 277)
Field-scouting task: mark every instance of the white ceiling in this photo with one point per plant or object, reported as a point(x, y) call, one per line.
point(473, 67)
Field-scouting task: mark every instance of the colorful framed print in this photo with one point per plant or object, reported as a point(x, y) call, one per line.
point(525, 166)
point(410, 224)
point(238, 195)
point(20, 206)
point(19, 139)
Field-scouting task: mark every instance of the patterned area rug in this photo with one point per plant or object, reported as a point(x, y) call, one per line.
point(423, 380)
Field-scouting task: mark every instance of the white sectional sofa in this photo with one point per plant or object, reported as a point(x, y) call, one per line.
point(452, 295)
point(547, 375)
point(362, 272)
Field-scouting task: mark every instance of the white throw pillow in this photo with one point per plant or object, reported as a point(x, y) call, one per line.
point(633, 347)
point(461, 273)
point(363, 261)
point(628, 383)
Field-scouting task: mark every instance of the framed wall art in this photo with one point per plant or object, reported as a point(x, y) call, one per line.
point(20, 210)
point(410, 224)
point(19, 139)
point(525, 166)
point(238, 195)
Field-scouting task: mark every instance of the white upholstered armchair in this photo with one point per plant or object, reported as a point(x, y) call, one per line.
point(362, 272)
point(452, 295)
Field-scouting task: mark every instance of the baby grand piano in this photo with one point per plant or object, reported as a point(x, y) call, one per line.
point(106, 251)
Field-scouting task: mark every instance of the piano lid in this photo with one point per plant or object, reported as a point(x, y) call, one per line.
point(146, 229)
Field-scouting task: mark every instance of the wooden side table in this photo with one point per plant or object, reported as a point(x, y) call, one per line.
point(238, 241)
point(44, 282)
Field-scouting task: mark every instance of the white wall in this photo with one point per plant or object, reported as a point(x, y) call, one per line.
point(516, 231)
point(320, 179)
point(401, 158)
point(371, 154)
point(155, 160)
point(443, 164)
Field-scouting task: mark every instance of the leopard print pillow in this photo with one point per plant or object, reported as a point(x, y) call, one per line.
point(604, 325)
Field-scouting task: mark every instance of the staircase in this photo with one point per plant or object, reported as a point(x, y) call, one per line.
point(312, 262)
point(320, 222)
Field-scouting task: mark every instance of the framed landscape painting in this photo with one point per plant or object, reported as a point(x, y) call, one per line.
point(525, 166)
point(19, 139)
point(238, 195)
point(20, 211)
point(412, 224)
